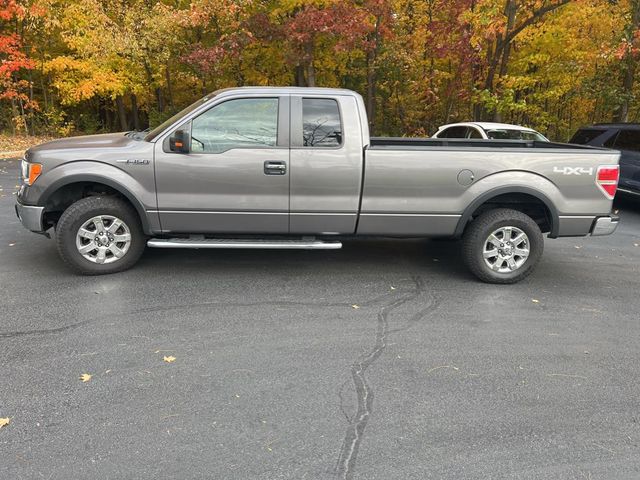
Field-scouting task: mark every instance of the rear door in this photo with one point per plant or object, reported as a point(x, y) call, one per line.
point(235, 178)
point(326, 164)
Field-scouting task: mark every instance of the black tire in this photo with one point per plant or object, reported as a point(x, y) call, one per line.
point(477, 233)
point(80, 212)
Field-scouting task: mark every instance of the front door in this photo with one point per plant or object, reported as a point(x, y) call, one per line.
point(235, 177)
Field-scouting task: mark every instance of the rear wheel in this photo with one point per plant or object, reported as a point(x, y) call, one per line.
point(99, 235)
point(502, 246)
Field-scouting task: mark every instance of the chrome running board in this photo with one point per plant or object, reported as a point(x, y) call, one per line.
point(302, 244)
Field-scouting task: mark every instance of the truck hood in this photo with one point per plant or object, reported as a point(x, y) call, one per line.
point(105, 147)
point(106, 140)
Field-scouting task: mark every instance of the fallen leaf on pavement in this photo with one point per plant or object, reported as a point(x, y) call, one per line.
point(4, 421)
point(85, 377)
point(169, 359)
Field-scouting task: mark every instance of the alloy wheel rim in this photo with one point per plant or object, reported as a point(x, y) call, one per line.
point(506, 249)
point(103, 239)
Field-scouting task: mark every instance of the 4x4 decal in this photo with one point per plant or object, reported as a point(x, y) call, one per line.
point(573, 170)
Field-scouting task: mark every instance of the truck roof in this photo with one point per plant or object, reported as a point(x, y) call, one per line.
point(285, 90)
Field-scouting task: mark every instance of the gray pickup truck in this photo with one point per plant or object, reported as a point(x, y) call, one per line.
point(295, 168)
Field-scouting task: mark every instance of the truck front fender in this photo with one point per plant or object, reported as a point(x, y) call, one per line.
point(141, 194)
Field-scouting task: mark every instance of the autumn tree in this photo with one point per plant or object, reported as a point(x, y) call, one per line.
point(92, 65)
point(497, 24)
point(14, 62)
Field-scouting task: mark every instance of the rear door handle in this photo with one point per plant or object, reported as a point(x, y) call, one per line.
point(274, 168)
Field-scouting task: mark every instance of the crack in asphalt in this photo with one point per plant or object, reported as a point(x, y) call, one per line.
point(274, 303)
point(43, 331)
point(161, 308)
point(345, 468)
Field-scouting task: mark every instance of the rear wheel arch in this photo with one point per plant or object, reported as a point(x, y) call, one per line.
point(61, 194)
point(524, 199)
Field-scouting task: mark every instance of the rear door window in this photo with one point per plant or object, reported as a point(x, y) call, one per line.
point(321, 124)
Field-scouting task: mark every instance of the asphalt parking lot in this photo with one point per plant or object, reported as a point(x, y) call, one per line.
point(384, 360)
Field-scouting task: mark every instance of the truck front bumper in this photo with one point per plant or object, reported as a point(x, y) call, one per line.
point(605, 225)
point(30, 216)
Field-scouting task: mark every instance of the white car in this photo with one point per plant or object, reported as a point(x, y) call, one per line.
point(488, 130)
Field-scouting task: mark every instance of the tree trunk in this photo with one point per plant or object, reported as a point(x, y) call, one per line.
point(122, 114)
point(167, 76)
point(299, 74)
point(134, 112)
point(14, 114)
point(311, 75)
point(371, 90)
point(204, 84)
point(160, 99)
point(622, 112)
point(107, 117)
point(372, 56)
point(23, 117)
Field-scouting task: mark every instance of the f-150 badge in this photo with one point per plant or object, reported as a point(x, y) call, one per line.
point(134, 161)
point(573, 170)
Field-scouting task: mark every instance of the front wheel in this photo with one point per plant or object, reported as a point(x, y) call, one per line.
point(99, 235)
point(502, 246)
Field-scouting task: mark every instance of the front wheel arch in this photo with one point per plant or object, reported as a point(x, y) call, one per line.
point(79, 183)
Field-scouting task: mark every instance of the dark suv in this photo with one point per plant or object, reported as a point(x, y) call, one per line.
point(620, 136)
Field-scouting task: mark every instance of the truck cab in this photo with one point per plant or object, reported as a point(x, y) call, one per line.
point(262, 160)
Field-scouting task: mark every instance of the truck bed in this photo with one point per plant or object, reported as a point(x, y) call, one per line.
point(415, 185)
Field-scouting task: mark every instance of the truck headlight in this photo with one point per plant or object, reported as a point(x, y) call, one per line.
point(30, 172)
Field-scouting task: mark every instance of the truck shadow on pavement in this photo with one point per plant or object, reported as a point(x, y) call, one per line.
point(428, 257)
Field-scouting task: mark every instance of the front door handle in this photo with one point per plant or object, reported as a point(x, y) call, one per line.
point(274, 168)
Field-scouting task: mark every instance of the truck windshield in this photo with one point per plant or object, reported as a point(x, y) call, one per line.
point(167, 123)
point(509, 134)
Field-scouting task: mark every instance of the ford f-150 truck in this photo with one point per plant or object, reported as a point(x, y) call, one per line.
point(261, 167)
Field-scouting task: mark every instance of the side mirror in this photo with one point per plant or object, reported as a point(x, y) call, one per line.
point(179, 141)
